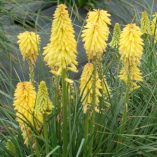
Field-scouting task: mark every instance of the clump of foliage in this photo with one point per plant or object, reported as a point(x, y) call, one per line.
point(111, 111)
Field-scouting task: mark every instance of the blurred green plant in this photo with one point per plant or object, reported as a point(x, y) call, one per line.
point(79, 3)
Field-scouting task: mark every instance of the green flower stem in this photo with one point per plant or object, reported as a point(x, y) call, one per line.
point(92, 122)
point(65, 114)
point(125, 111)
point(46, 136)
point(37, 148)
point(58, 109)
point(101, 75)
point(31, 72)
point(124, 115)
point(86, 134)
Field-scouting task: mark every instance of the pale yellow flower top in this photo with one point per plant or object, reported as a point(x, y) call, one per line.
point(61, 51)
point(24, 103)
point(131, 44)
point(95, 33)
point(29, 45)
point(131, 50)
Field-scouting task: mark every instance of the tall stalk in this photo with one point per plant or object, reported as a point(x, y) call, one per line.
point(65, 113)
point(125, 110)
point(86, 132)
point(124, 116)
point(37, 151)
point(57, 103)
point(92, 122)
point(90, 118)
point(46, 135)
point(31, 72)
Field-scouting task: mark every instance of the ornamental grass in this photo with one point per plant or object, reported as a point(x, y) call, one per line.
point(109, 111)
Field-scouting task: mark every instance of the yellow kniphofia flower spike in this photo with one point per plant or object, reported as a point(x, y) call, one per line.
point(24, 103)
point(29, 45)
point(131, 45)
point(61, 52)
point(95, 33)
point(86, 87)
point(131, 50)
point(145, 23)
point(43, 105)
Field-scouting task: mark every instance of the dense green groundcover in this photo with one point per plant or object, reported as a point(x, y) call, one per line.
point(137, 139)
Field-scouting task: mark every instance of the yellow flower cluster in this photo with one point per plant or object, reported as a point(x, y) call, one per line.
point(61, 52)
point(60, 55)
point(131, 50)
point(86, 87)
point(145, 23)
point(95, 33)
point(95, 36)
point(24, 103)
point(44, 106)
point(29, 45)
point(31, 110)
